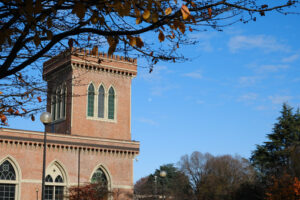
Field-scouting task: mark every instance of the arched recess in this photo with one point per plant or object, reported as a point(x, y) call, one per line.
point(90, 100)
point(102, 176)
point(58, 103)
point(101, 101)
point(111, 103)
point(10, 176)
point(63, 100)
point(55, 181)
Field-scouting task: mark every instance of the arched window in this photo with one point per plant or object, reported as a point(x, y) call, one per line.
point(91, 100)
point(111, 103)
point(58, 102)
point(101, 102)
point(8, 181)
point(53, 107)
point(54, 184)
point(63, 101)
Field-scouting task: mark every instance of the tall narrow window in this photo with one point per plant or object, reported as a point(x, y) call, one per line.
point(101, 102)
point(54, 190)
point(91, 100)
point(63, 101)
point(7, 181)
point(111, 103)
point(53, 105)
point(100, 178)
point(58, 103)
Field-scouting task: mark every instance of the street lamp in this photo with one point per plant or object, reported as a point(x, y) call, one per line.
point(163, 174)
point(45, 119)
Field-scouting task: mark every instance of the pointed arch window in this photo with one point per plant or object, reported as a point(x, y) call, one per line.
point(53, 107)
point(111, 103)
point(63, 101)
point(7, 181)
point(58, 103)
point(99, 177)
point(54, 184)
point(91, 100)
point(101, 104)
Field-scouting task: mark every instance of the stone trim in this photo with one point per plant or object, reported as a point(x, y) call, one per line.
point(35, 143)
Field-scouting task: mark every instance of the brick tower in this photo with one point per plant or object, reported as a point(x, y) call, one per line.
point(89, 139)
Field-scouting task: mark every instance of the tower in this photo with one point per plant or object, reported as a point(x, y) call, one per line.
point(89, 94)
point(89, 139)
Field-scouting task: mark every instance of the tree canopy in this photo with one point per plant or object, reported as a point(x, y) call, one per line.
point(35, 30)
point(281, 152)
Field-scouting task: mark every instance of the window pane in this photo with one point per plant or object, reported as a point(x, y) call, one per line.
point(63, 102)
point(91, 99)
point(7, 191)
point(101, 102)
point(53, 107)
point(111, 103)
point(48, 178)
point(59, 179)
point(58, 96)
point(7, 171)
point(99, 177)
point(48, 192)
point(59, 192)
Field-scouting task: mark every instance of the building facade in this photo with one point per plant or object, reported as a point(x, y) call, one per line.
point(89, 138)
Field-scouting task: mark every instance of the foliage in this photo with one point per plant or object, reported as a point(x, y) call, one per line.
point(92, 191)
point(174, 186)
point(216, 177)
point(281, 152)
point(284, 187)
point(34, 30)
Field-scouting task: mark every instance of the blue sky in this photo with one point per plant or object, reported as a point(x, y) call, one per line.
point(223, 101)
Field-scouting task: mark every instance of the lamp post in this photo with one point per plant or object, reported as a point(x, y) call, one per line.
point(163, 174)
point(45, 119)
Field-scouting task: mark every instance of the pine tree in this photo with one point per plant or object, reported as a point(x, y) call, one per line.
point(276, 155)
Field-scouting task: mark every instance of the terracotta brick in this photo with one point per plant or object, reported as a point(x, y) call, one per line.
point(97, 142)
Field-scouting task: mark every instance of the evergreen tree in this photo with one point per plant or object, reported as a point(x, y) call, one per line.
point(276, 155)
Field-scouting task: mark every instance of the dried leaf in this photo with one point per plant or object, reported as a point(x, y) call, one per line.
point(161, 36)
point(138, 20)
point(168, 11)
point(70, 42)
point(139, 42)
point(185, 12)
point(146, 14)
point(32, 118)
point(3, 118)
point(209, 12)
point(39, 99)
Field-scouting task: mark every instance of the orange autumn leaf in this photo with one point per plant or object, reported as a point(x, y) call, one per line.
point(185, 12)
point(209, 12)
point(146, 14)
point(168, 11)
point(161, 36)
point(3, 118)
point(39, 99)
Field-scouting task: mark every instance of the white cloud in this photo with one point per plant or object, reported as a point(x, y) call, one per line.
point(266, 43)
point(279, 99)
point(248, 97)
point(248, 80)
point(272, 68)
point(196, 74)
point(291, 58)
point(200, 102)
point(148, 121)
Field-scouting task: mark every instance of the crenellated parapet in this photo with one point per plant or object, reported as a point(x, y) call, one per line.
point(91, 60)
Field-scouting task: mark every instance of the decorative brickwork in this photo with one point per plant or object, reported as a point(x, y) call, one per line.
point(78, 143)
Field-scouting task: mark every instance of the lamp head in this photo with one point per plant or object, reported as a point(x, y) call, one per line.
point(163, 173)
point(45, 118)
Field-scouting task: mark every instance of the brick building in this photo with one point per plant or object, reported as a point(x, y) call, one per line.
point(89, 139)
